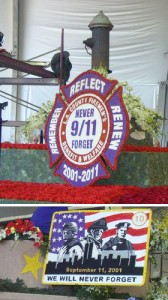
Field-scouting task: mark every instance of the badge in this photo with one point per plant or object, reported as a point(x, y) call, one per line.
point(86, 129)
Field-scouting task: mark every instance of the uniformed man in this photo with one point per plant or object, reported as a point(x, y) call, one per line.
point(94, 237)
point(72, 245)
point(119, 243)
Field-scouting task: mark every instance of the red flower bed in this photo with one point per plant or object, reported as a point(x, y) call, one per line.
point(129, 148)
point(24, 146)
point(62, 193)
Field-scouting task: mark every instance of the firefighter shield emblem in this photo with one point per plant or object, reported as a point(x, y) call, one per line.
point(86, 129)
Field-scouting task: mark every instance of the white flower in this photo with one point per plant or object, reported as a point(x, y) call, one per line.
point(147, 119)
point(2, 234)
point(16, 236)
point(164, 280)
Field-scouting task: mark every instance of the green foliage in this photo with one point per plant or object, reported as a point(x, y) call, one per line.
point(23, 169)
point(131, 166)
point(103, 71)
point(159, 236)
point(45, 245)
point(141, 116)
point(98, 293)
point(6, 285)
point(158, 290)
point(37, 120)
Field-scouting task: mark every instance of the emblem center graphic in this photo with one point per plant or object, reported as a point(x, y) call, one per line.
point(84, 129)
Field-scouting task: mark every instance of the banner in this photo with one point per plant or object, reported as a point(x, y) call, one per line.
point(107, 247)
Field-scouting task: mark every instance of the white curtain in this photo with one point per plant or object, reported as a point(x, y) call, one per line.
point(138, 40)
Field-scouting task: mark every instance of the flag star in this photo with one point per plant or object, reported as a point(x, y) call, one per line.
point(69, 216)
point(60, 220)
point(53, 249)
point(75, 217)
point(58, 249)
point(80, 228)
point(80, 220)
point(54, 240)
point(55, 220)
point(54, 229)
point(64, 216)
point(60, 238)
point(59, 230)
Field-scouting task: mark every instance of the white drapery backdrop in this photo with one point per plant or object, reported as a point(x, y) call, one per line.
point(138, 42)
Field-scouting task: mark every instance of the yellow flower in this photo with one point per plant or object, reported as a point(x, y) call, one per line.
point(13, 230)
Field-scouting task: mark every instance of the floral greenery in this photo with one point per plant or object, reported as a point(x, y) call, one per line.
point(22, 229)
point(145, 118)
point(135, 159)
point(140, 116)
point(93, 292)
point(97, 293)
point(159, 236)
point(6, 285)
point(158, 290)
point(37, 120)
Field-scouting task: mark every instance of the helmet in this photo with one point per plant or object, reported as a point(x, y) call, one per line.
point(99, 224)
point(126, 225)
point(71, 226)
point(1, 39)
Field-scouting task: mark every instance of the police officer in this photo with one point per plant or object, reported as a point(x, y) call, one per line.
point(94, 237)
point(72, 245)
point(119, 242)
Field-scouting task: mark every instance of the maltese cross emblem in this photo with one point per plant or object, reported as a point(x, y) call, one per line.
point(86, 129)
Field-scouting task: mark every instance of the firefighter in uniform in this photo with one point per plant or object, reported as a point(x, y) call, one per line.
point(94, 237)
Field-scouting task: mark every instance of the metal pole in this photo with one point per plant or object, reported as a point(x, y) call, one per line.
point(0, 131)
point(21, 100)
point(2, 106)
point(5, 97)
point(61, 56)
point(36, 57)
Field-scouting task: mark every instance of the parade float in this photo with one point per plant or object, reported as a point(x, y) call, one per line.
point(101, 142)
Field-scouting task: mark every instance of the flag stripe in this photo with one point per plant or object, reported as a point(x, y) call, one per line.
point(131, 231)
point(141, 259)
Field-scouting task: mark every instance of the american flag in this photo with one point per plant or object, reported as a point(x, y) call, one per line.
point(137, 234)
